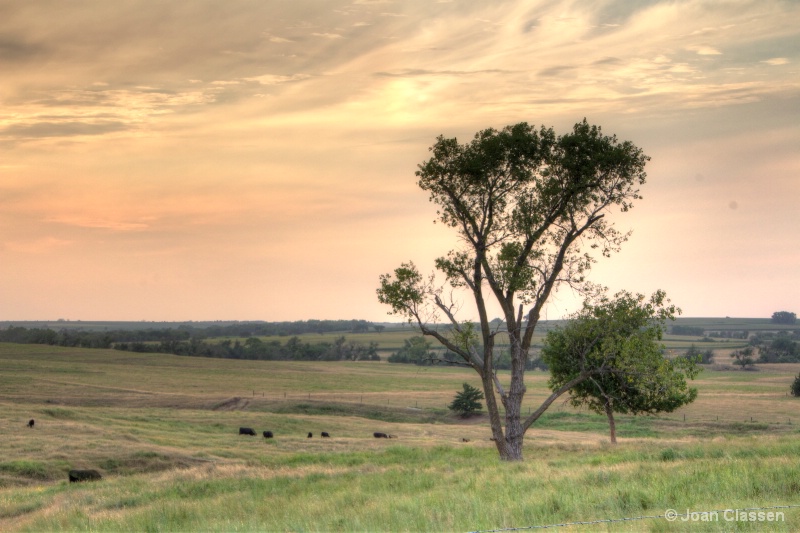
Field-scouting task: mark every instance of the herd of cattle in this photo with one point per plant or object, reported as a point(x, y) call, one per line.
point(93, 475)
point(324, 434)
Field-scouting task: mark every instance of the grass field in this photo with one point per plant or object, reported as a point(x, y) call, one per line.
point(163, 431)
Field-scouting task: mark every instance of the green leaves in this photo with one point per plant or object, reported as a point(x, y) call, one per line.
point(466, 401)
point(405, 292)
point(529, 209)
point(520, 197)
point(614, 342)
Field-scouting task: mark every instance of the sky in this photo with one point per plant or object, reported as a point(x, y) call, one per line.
point(255, 159)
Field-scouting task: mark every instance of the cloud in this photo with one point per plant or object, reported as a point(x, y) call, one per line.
point(277, 79)
point(62, 129)
point(704, 50)
point(179, 158)
point(276, 39)
point(556, 70)
point(15, 49)
point(95, 223)
point(408, 73)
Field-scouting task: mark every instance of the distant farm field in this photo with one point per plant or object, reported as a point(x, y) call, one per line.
point(163, 430)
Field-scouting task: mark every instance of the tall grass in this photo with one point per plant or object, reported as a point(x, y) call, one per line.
point(435, 488)
point(163, 431)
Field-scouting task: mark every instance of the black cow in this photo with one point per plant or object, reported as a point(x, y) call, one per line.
point(310, 435)
point(247, 431)
point(267, 434)
point(84, 475)
point(325, 434)
point(30, 423)
point(382, 436)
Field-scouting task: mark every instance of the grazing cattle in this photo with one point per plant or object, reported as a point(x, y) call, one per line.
point(310, 435)
point(247, 431)
point(30, 423)
point(382, 436)
point(84, 475)
point(267, 434)
point(325, 434)
point(464, 439)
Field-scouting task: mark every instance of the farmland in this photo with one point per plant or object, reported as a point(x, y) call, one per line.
point(163, 431)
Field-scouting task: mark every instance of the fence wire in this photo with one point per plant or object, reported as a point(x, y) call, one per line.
point(673, 516)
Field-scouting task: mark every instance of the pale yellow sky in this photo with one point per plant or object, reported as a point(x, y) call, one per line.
point(254, 160)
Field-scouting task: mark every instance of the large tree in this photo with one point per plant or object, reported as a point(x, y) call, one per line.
point(784, 317)
point(617, 341)
point(530, 210)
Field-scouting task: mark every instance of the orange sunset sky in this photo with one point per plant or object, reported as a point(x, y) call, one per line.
point(254, 160)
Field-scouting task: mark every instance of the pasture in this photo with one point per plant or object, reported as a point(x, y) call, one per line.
point(163, 430)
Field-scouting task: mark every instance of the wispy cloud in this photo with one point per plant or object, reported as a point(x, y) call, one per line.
point(61, 129)
point(281, 134)
point(704, 50)
point(95, 223)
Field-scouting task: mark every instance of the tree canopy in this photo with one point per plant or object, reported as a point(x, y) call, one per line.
point(529, 209)
point(616, 341)
point(784, 317)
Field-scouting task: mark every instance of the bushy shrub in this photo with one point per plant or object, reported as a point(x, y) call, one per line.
point(796, 387)
point(466, 402)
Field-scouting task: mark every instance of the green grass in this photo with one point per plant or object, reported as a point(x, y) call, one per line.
point(438, 488)
point(163, 431)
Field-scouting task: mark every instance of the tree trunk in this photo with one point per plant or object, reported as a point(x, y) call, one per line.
point(611, 425)
point(494, 413)
point(514, 432)
point(510, 445)
point(508, 442)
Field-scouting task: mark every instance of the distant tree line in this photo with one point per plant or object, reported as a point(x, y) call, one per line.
point(693, 331)
point(105, 339)
point(189, 340)
point(87, 339)
point(783, 347)
point(285, 329)
point(777, 348)
point(254, 348)
point(729, 334)
point(687, 330)
point(417, 351)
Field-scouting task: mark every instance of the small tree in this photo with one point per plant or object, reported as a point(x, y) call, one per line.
point(466, 402)
point(617, 343)
point(795, 388)
point(744, 357)
point(415, 350)
point(703, 357)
